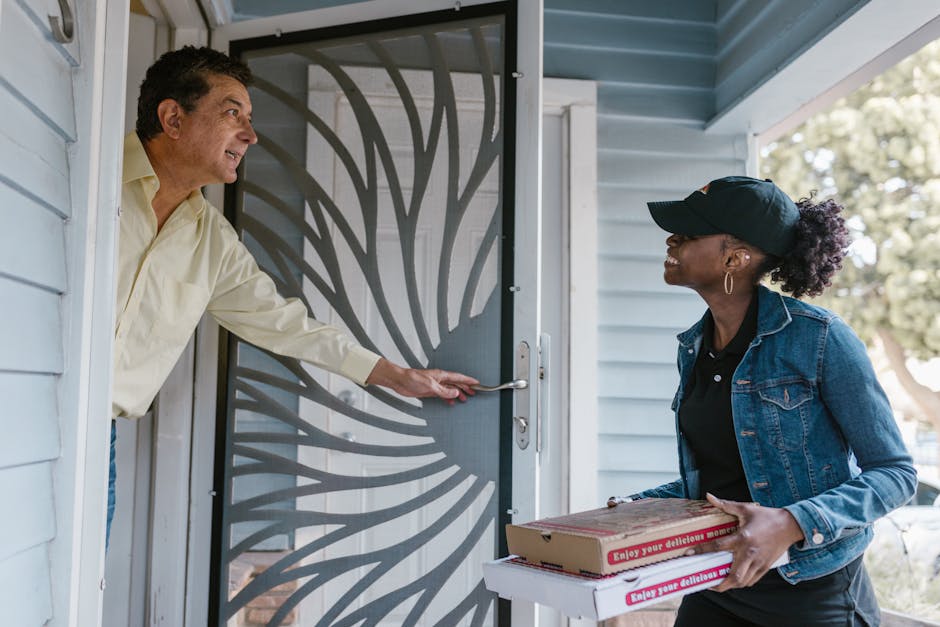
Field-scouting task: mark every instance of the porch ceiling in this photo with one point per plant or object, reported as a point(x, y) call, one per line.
point(723, 65)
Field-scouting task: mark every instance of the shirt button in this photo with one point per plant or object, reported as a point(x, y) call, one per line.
point(691, 351)
point(717, 377)
point(818, 538)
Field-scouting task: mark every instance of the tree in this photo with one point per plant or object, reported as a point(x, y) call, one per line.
point(878, 152)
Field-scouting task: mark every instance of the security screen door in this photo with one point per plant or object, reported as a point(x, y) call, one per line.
point(377, 194)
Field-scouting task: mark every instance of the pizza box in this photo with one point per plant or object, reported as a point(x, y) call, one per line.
point(612, 539)
point(598, 598)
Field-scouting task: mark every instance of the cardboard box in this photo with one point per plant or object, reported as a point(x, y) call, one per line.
point(581, 596)
point(609, 540)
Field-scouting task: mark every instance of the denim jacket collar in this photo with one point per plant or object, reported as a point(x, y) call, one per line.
point(772, 316)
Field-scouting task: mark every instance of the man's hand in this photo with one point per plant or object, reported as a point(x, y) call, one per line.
point(422, 383)
point(763, 534)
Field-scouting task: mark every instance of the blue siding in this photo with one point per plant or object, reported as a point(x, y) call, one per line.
point(653, 61)
point(37, 128)
point(654, 96)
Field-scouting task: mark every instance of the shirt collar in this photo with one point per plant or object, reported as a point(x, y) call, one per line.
point(136, 163)
point(137, 167)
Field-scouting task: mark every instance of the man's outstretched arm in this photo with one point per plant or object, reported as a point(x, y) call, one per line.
point(421, 383)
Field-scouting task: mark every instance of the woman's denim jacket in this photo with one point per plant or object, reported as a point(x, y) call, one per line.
point(815, 432)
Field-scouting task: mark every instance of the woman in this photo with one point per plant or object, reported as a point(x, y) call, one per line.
point(780, 418)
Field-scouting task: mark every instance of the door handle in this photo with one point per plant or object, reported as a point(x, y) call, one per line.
point(515, 384)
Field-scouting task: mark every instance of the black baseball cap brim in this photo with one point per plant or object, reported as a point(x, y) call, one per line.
point(679, 217)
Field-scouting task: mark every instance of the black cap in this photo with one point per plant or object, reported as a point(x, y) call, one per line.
point(750, 209)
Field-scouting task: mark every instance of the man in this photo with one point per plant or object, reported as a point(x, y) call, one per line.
point(179, 257)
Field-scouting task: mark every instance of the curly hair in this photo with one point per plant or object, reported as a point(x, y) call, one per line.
point(821, 242)
point(182, 75)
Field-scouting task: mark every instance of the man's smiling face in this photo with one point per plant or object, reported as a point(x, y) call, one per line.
point(216, 134)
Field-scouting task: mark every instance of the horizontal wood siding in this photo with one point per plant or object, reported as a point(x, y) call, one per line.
point(756, 38)
point(652, 60)
point(24, 587)
point(37, 128)
point(656, 63)
point(35, 69)
point(28, 421)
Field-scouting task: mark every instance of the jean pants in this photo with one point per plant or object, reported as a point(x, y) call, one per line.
point(844, 598)
point(112, 478)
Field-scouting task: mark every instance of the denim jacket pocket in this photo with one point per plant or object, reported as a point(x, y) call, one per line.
point(787, 395)
point(784, 405)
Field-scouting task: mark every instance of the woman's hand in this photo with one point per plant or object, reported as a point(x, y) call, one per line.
point(444, 384)
point(763, 534)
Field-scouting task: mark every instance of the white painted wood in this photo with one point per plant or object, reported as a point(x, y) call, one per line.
point(627, 240)
point(666, 170)
point(34, 158)
point(22, 38)
point(27, 491)
point(636, 417)
point(29, 420)
point(24, 587)
point(641, 345)
point(32, 241)
point(201, 489)
point(668, 140)
point(76, 555)
point(39, 11)
point(219, 12)
point(119, 558)
point(636, 273)
point(581, 325)
point(177, 14)
point(665, 311)
point(877, 26)
point(127, 563)
point(140, 56)
point(630, 380)
point(31, 330)
point(528, 263)
point(632, 452)
point(171, 479)
point(632, 481)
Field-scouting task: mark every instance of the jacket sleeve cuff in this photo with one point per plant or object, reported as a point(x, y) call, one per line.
point(816, 531)
point(358, 364)
point(673, 489)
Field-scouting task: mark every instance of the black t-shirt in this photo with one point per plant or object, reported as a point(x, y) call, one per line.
point(705, 414)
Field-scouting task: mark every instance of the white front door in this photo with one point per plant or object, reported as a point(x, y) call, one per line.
point(380, 193)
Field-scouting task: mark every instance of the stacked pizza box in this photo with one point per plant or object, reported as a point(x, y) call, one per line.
point(603, 562)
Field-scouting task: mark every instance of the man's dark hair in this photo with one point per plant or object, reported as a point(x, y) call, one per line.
point(182, 75)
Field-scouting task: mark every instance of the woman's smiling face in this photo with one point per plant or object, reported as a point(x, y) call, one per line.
point(696, 262)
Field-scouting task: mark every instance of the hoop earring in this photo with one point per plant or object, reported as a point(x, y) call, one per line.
point(729, 283)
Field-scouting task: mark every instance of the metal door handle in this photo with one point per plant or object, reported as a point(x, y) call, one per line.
point(515, 384)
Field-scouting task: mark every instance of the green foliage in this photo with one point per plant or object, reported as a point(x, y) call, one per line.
point(878, 152)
